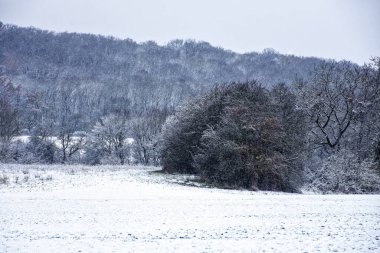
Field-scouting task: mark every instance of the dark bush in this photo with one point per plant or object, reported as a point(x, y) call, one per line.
point(237, 136)
point(43, 150)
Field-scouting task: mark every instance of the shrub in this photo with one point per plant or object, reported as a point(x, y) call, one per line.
point(235, 136)
point(342, 172)
point(182, 132)
point(4, 179)
point(38, 151)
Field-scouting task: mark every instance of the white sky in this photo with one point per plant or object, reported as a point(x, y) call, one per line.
point(339, 29)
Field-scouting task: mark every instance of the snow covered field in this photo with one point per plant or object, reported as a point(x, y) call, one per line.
point(132, 209)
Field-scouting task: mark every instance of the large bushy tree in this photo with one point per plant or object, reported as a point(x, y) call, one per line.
point(238, 135)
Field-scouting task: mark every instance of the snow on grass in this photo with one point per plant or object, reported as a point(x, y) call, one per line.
point(133, 209)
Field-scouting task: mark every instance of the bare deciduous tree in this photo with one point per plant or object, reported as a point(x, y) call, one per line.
point(109, 138)
point(330, 99)
point(9, 114)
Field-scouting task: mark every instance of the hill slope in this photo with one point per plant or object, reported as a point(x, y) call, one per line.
point(35, 58)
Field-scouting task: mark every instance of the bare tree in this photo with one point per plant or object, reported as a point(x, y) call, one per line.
point(9, 113)
point(145, 132)
point(67, 123)
point(331, 101)
point(9, 99)
point(109, 138)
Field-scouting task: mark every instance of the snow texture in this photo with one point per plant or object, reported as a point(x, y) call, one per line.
point(133, 209)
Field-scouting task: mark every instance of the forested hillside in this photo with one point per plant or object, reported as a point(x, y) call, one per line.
point(59, 84)
point(113, 75)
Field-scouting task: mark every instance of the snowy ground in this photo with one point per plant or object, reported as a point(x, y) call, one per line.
point(131, 209)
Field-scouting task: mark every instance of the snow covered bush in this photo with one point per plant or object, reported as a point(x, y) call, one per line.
point(107, 142)
point(236, 136)
point(182, 132)
point(342, 172)
point(37, 150)
point(4, 179)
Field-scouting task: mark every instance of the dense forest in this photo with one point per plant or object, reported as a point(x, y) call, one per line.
point(83, 98)
point(71, 81)
point(114, 75)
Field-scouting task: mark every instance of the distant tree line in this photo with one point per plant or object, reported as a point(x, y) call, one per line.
point(103, 75)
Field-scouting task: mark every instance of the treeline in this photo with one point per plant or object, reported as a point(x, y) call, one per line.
point(59, 87)
point(320, 134)
point(53, 127)
point(323, 133)
point(105, 75)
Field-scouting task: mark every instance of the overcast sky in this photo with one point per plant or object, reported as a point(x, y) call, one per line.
point(339, 29)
